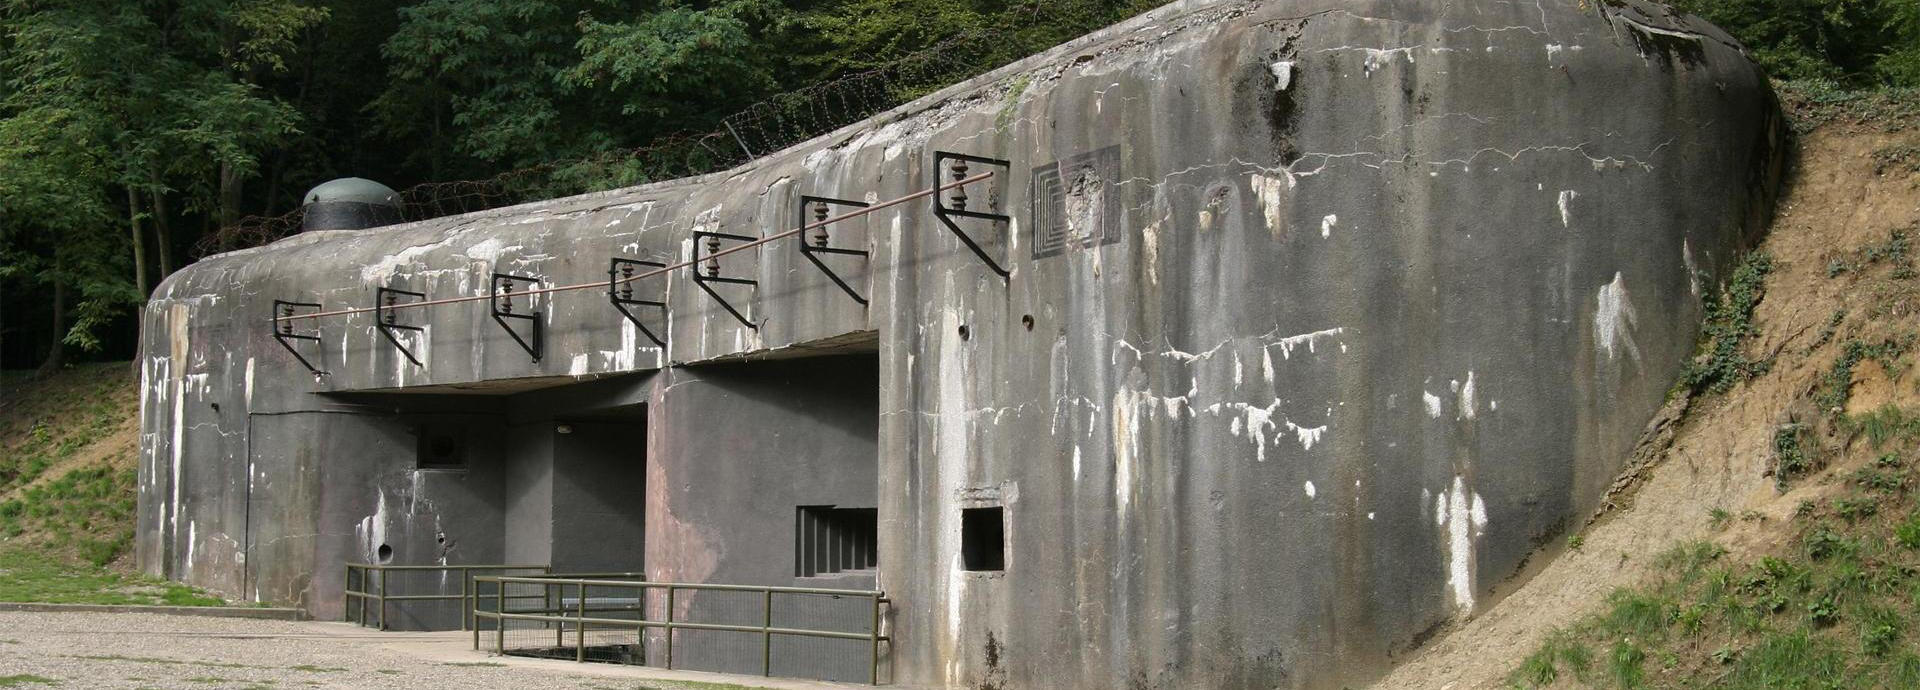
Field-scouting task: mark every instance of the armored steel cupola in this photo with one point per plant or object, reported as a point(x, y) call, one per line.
point(350, 203)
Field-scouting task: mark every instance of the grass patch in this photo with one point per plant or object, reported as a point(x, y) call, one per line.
point(310, 668)
point(490, 664)
point(25, 679)
point(1836, 606)
point(161, 661)
point(1836, 386)
point(29, 575)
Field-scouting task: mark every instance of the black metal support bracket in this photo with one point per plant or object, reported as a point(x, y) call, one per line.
point(620, 274)
point(502, 307)
point(384, 300)
point(814, 244)
point(283, 332)
point(957, 166)
point(712, 266)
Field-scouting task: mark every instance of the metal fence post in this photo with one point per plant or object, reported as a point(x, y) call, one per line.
point(873, 657)
point(766, 634)
point(346, 598)
point(499, 618)
point(552, 610)
point(383, 599)
point(669, 627)
point(466, 596)
point(473, 611)
point(580, 633)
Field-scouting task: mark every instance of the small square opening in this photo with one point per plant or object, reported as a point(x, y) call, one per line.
point(983, 539)
point(440, 448)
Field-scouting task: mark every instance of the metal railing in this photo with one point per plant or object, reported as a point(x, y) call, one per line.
point(590, 610)
point(373, 586)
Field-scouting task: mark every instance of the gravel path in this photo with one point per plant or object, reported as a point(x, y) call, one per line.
point(133, 651)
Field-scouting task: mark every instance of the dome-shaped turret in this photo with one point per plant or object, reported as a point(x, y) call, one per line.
point(350, 203)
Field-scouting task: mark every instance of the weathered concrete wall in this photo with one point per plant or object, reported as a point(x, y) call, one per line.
point(1344, 309)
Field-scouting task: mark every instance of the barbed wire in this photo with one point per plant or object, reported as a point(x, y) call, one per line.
point(763, 128)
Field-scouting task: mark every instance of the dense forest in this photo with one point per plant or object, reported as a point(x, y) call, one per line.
point(138, 135)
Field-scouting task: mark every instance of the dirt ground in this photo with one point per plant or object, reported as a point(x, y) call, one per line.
point(1720, 454)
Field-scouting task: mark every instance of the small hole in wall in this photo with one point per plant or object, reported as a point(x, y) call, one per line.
point(440, 539)
point(1027, 321)
point(384, 554)
point(964, 333)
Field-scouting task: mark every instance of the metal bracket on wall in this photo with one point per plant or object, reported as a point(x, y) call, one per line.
point(620, 278)
point(712, 266)
point(502, 308)
point(384, 300)
point(283, 331)
point(957, 165)
point(813, 245)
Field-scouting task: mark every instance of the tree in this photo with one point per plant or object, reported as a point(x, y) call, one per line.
point(104, 98)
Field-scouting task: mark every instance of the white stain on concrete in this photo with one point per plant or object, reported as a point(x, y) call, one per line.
point(1693, 270)
point(1307, 436)
point(1271, 191)
point(1308, 487)
point(1466, 398)
point(578, 366)
point(1613, 320)
point(1433, 404)
point(1462, 518)
point(1282, 74)
point(380, 271)
point(1327, 223)
point(1376, 58)
point(1310, 340)
point(1566, 210)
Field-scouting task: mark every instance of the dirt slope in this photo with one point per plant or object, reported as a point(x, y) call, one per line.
point(1854, 183)
point(68, 444)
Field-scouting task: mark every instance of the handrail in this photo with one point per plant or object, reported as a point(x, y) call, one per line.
point(380, 599)
point(576, 615)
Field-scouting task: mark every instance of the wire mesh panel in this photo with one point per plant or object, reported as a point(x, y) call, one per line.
point(848, 660)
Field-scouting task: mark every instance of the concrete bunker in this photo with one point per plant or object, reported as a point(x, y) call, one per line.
point(1265, 371)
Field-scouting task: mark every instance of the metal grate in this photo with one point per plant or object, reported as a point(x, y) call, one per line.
point(832, 540)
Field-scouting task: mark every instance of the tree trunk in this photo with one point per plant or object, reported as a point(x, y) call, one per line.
point(139, 242)
point(56, 354)
point(229, 195)
point(162, 234)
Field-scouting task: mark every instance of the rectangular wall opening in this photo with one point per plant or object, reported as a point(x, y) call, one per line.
point(831, 540)
point(983, 539)
point(440, 447)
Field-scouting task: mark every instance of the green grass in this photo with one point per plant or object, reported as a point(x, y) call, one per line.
point(25, 679)
point(85, 513)
point(30, 575)
point(1836, 607)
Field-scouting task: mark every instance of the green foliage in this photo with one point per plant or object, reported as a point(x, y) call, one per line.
point(1855, 42)
point(1836, 386)
point(1790, 455)
point(1833, 608)
point(1729, 324)
point(1881, 425)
